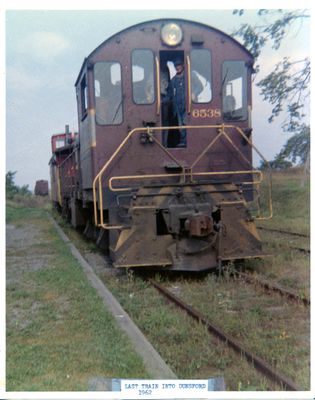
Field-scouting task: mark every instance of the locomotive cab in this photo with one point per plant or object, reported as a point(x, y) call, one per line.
point(154, 199)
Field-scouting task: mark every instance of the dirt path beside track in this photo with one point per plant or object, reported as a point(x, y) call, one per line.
point(59, 336)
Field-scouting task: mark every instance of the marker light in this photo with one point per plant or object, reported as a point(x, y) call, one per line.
point(171, 34)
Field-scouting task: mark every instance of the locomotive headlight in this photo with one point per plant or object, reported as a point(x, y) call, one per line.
point(171, 34)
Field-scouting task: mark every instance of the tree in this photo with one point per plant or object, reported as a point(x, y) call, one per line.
point(12, 189)
point(279, 163)
point(297, 147)
point(286, 88)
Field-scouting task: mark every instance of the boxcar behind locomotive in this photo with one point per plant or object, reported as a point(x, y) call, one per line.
point(150, 202)
point(41, 188)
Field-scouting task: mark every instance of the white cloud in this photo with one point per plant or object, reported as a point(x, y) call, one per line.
point(43, 46)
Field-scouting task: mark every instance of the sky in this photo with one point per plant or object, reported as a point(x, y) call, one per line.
point(44, 53)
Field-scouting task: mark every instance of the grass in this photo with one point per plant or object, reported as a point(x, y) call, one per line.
point(184, 344)
point(291, 202)
point(269, 326)
point(288, 267)
point(58, 334)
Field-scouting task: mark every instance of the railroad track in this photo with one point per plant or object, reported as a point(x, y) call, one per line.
point(296, 234)
point(261, 365)
point(274, 288)
point(283, 231)
point(301, 249)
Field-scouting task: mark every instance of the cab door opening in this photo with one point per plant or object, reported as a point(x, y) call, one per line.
point(171, 137)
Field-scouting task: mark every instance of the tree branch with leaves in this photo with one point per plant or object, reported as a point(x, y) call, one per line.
point(286, 88)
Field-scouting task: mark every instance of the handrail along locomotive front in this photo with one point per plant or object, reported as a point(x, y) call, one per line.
point(188, 181)
point(98, 179)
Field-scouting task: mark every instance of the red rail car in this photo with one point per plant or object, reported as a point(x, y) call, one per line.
point(150, 200)
point(63, 171)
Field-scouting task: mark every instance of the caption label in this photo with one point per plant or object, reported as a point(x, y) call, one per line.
point(147, 389)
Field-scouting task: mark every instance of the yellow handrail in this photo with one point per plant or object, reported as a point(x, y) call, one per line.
point(159, 176)
point(158, 86)
point(98, 177)
point(59, 187)
point(189, 85)
point(150, 130)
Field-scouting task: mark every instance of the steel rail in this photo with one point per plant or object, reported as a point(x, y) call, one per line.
point(283, 231)
point(302, 249)
point(258, 362)
point(274, 288)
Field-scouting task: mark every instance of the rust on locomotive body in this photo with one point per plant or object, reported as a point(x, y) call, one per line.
point(148, 198)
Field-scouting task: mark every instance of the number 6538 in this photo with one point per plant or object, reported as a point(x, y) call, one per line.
point(206, 113)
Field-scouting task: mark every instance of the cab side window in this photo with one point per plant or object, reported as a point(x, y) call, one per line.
point(234, 90)
point(83, 97)
point(143, 89)
point(108, 93)
point(200, 76)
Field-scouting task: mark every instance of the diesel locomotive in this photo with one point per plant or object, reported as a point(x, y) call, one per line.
point(149, 199)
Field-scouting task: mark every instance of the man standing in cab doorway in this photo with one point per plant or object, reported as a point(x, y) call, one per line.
point(176, 96)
